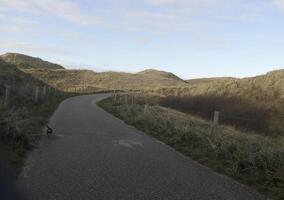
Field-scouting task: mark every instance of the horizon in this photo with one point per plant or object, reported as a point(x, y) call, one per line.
point(190, 38)
point(100, 70)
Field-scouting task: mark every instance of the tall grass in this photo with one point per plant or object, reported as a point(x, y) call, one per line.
point(234, 111)
point(254, 159)
point(22, 119)
point(21, 123)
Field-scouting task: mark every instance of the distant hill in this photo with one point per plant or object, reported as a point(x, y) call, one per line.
point(208, 80)
point(82, 80)
point(28, 62)
point(159, 74)
point(267, 89)
point(86, 80)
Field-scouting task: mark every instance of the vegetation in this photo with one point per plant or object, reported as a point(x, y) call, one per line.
point(254, 159)
point(234, 111)
point(85, 80)
point(22, 119)
point(28, 62)
point(266, 89)
point(89, 81)
point(253, 154)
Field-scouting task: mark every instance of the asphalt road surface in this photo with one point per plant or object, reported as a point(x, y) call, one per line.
point(94, 155)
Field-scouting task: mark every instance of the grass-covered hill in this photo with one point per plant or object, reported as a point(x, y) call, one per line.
point(265, 88)
point(268, 88)
point(28, 62)
point(255, 103)
point(156, 73)
point(82, 80)
point(86, 80)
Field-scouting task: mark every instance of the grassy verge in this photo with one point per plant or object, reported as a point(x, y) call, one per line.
point(253, 159)
point(26, 104)
point(21, 129)
point(234, 111)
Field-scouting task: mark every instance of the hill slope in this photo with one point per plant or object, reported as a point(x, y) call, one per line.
point(86, 80)
point(268, 88)
point(79, 80)
point(265, 88)
point(28, 62)
point(158, 74)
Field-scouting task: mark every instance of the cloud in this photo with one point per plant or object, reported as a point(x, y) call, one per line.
point(194, 6)
point(279, 3)
point(31, 48)
point(184, 2)
point(141, 16)
point(162, 15)
point(64, 9)
point(127, 15)
point(152, 22)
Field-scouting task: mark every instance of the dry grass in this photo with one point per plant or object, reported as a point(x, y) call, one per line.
point(254, 159)
point(234, 111)
point(22, 119)
point(28, 62)
point(267, 89)
point(84, 80)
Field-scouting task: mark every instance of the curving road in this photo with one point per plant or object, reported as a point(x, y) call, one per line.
point(96, 156)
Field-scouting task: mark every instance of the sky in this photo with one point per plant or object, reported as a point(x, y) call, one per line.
point(191, 38)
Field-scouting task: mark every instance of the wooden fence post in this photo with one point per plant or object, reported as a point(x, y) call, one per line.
point(44, 92)
point(215, 121)
point(145, 108)
point(126, 99)
point(132, 102)
point(168, 121)
point(114, 96)
point(48, 91)
point(36, 94)
point(7, 95)
point(216, 118)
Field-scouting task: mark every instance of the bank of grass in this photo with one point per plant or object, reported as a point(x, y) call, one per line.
point(22, 119)
point(21, 128)
point(234, 111)
point(253, 159)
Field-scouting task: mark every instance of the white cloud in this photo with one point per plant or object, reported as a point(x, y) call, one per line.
point(159, 16)
point(279, 3)
point(184, 2)
point(194, 6)
point(64, 9)
point(152, 21)
point(25, 47)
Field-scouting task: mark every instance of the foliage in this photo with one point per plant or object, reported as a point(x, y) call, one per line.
point(22, 119)
point(234, 111)
point(254, 159)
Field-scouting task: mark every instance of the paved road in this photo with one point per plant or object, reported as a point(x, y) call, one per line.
point(96, 156)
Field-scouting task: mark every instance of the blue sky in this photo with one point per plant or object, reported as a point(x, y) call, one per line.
point(191, 38)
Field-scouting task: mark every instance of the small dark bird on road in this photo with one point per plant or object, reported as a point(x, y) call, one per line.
point(49, 130)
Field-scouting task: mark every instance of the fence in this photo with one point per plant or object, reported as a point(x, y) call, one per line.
point(35, 94)
point(129, 99)
point(259, 123)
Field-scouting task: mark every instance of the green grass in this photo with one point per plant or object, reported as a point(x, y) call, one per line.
point(253, 159)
